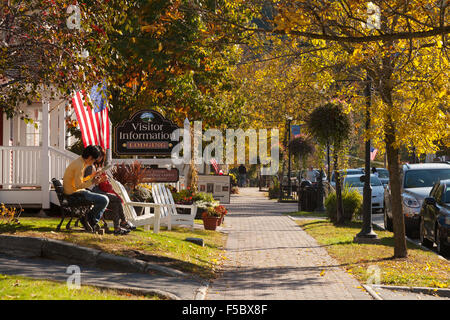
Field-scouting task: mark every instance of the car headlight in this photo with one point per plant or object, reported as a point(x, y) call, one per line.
point(410, 201)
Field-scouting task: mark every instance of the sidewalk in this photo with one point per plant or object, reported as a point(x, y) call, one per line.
point(270, 257)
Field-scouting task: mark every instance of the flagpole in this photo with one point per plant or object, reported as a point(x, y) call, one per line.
point(109, 150)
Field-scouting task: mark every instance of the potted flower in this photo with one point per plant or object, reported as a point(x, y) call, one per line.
point(222, 211)
point(185, 197)
point(141, 193)
point(210, 218)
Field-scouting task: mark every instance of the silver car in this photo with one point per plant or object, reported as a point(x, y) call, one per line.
point(354, 181)
point(416, 183)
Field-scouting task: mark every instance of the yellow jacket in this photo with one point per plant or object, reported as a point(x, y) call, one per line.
point(74, 179)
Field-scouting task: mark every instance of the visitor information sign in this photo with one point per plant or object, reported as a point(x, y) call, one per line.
point(147, 132)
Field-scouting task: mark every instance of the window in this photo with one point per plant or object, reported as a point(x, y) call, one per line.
point(33, 132)
point(446, 195)
point(383, 174)
point(425, 178)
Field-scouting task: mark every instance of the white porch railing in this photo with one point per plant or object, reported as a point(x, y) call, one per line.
point(20, 166)
point(59, 160)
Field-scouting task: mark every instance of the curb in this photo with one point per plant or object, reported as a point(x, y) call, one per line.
point(425, 290)
point(372, 292)
point(32, 247)
point(138, 291)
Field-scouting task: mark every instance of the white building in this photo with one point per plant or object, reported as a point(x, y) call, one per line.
point(32, 153)
point(30, 156)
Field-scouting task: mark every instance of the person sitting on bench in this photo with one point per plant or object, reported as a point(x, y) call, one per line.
point(74, 183)
point(114, 210)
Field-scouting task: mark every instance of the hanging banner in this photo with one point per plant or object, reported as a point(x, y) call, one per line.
point(295, 131)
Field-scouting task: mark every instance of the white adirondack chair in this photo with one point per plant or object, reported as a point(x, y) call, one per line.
point(165, 208)
point(130, 214)
point(169, 214)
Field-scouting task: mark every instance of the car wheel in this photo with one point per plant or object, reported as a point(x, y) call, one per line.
point(423, 240)
point(387, 221)
point(442, 248)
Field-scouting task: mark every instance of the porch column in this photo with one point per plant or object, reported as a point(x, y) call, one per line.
point(54, 124)
point(45, 157)
point(7, 156)
point(62, 127)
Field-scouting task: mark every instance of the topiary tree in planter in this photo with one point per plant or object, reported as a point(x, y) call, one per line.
point(331, 126)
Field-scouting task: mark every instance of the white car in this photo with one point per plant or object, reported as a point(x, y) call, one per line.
point(354, 181)
point(343, 173)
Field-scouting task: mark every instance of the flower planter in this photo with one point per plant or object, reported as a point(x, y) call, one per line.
point(210, 223)
point(222, 217)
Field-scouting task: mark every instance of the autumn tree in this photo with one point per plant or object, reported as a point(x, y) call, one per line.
point(58, 45)
point(166, 61)
point(401, 47)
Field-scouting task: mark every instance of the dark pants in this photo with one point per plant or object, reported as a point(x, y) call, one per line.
point(114, 210)
point(99, 201)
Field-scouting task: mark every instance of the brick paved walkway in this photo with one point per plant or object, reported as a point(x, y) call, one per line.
point(270, 257)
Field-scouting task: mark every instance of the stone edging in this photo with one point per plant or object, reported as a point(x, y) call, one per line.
point(31, 247)
point(425, 290)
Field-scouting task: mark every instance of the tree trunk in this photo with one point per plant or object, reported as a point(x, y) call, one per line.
point(400, 249)
point(339, 202)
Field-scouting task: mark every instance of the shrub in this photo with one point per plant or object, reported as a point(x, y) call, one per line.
point(142, 193)
point(352, 201)
point(274, 192)
point(130, 175)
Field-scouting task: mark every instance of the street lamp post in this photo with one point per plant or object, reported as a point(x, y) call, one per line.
point(289, 119)
point(367, 230)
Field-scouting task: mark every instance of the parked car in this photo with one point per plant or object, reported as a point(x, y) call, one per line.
point(344, 173)
point(435, 218)
point(417, 181)
point(383, 175)
point(303, 174)
point(354, 181)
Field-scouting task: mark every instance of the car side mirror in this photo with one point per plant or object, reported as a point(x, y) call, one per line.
point(430, 201)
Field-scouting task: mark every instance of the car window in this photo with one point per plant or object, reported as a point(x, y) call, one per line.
point(374, 181)
point(384, 174)
point(353, 182)
point(446, 195)
point(425, 178)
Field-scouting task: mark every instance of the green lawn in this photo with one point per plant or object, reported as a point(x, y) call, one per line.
point(422, 268)
point(21, 288)
point(167, 248)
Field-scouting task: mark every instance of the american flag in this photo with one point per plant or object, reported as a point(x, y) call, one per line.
point(373, 153)
point(215, 165)
point(94, 122)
